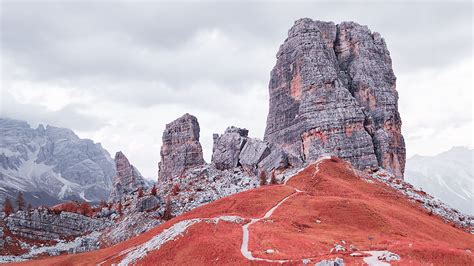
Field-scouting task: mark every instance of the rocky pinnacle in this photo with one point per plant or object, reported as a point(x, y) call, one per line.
point(127, 180)
point(332, 91)
point(181, 149)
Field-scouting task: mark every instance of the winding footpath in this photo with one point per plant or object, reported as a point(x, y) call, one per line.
point(134, 254)
point(244, 249)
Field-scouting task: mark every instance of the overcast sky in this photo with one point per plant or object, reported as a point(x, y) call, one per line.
point(117, 73)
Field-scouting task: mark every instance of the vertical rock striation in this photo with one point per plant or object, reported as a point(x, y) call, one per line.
point(365, 63)
point(332, 90)
point(181, 149)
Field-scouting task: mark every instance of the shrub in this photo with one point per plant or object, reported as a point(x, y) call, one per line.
point(273, 180)
point(263, 178)
point(7, 207)
point(167, 214)
point(20, 201)
point(153, 191)
point(85, 209)
point(175, 190)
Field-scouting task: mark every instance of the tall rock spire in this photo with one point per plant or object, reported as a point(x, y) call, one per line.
point(332, 90)
point(181, 149)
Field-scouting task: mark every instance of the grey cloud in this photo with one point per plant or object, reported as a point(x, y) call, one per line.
point(144, 54)
point(70, 116)
point(148, 40)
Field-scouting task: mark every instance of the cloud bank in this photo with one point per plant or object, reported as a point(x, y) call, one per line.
point(118, 72)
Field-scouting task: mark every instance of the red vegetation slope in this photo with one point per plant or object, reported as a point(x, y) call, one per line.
point(78, 207)
point(328, 205)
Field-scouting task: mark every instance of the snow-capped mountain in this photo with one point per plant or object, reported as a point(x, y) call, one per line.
point(52, 164)
point(448, 176)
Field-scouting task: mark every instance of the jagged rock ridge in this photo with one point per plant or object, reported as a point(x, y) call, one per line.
point(332, 90)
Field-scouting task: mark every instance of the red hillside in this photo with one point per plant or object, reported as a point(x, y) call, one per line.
point(324, 212)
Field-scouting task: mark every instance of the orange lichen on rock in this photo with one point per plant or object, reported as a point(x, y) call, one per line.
point(295, 86)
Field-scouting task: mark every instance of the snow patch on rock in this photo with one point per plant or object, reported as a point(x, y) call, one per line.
point(157, 241)
point(380, 257)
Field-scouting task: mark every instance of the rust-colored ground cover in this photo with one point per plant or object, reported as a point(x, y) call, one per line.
point(335, 206)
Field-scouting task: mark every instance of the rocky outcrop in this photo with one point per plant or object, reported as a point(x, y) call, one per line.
point(205, 184)
point(146, 203)
point(277, 160)
point(227, 147)
point(43, 224)
point(129, 226)
point(181, 149)
point(252, 153)
point(235, 149)
point(127, 180)
point(332, 91)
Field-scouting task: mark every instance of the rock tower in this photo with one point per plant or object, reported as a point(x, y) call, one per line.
point(332, 90)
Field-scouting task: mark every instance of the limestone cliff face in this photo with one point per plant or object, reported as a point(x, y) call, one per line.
point(365, 62)
point(181, 149)
point(332, 90)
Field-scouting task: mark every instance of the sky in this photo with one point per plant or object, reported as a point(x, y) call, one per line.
point(117, 73)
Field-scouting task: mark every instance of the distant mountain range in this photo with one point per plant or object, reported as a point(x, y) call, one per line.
point(448, 176)
point(51, 165)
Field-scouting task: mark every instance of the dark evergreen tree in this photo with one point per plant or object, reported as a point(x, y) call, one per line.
point(153, 190)
point(140, 192)
point(167, 214)
point(20, 201)
point(273, 180)
point(7, 207)
point(263, 178)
